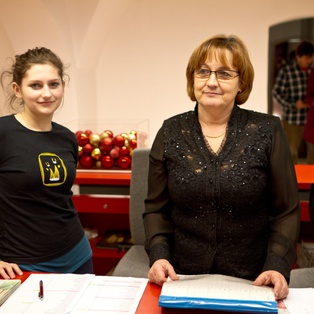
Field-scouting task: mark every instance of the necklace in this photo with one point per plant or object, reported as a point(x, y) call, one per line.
point(216, 136)
point(24, 120)
point(36, 128)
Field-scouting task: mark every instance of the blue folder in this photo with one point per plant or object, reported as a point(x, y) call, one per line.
point(242, 306)
point(183, 294)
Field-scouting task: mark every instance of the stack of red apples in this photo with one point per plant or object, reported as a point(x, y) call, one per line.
point(106, 150)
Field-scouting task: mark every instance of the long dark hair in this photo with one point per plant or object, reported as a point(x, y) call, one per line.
point(23, 62)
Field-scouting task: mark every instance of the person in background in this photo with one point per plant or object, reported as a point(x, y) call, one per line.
point(222, 190)
point(39, 226)
point(309, 125)
point(289, 91)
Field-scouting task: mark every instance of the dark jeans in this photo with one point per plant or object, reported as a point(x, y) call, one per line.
point(86, 268)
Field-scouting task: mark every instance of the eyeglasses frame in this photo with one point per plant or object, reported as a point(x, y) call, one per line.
point(219, 79)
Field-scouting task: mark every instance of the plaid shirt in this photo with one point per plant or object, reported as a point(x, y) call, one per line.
point(290, 86)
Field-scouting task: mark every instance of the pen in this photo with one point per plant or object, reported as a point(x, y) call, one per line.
point(41, 290)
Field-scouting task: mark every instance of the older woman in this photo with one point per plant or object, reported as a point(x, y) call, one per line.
point(222, 195)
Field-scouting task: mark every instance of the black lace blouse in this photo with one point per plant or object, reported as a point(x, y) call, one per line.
point(234, 213)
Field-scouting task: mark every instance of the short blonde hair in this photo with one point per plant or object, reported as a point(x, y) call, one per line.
point(216, 47)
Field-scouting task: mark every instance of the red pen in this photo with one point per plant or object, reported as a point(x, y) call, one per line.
point(41, 290)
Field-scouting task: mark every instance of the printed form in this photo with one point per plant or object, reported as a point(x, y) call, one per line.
point(76, 294)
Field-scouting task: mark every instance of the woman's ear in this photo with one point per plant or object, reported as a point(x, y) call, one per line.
point(16, 90)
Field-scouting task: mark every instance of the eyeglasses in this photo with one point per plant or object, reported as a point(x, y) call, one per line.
point(221, 75)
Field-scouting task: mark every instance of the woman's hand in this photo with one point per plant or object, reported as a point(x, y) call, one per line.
point(160, 271)
point(8, 270)
point(275, 279)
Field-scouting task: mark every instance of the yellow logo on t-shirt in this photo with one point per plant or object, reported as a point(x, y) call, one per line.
point(52, 169)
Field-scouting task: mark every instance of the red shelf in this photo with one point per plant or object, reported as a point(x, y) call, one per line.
point(305, 214)
point(102, 204)
point(103, 212)
point(305, 176)
point(103, 177)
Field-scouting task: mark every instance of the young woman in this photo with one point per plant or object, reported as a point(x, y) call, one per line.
point(39, 226)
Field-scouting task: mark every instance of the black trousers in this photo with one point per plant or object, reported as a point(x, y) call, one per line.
point(86, 268)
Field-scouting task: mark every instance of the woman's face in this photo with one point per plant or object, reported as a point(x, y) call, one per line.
point(213, 92)
point(41, 89)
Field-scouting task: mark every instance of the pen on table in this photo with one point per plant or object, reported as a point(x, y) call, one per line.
point(41, 290)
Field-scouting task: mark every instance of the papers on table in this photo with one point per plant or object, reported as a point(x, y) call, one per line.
point(113, 294)
point(7, 287)
point(76, 294)
point(300, 301)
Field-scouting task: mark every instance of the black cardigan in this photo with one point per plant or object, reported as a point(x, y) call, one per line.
point(235, 213)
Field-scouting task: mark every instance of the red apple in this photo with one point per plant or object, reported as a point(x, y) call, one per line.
point(88, 132)
point(124, 162)
point(124, 151)
point(86, 161)
point(77, 133)
point(107, 162)
point(87, 149)
point(133, 143)
point(119, 140)
point(106, 144)
point(82, 139)
point(114, 153)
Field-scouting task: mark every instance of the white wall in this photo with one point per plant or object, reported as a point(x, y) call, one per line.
point(128, 57)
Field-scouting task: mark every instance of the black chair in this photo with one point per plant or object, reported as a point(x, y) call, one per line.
point(135, 262)
point(304, 277)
